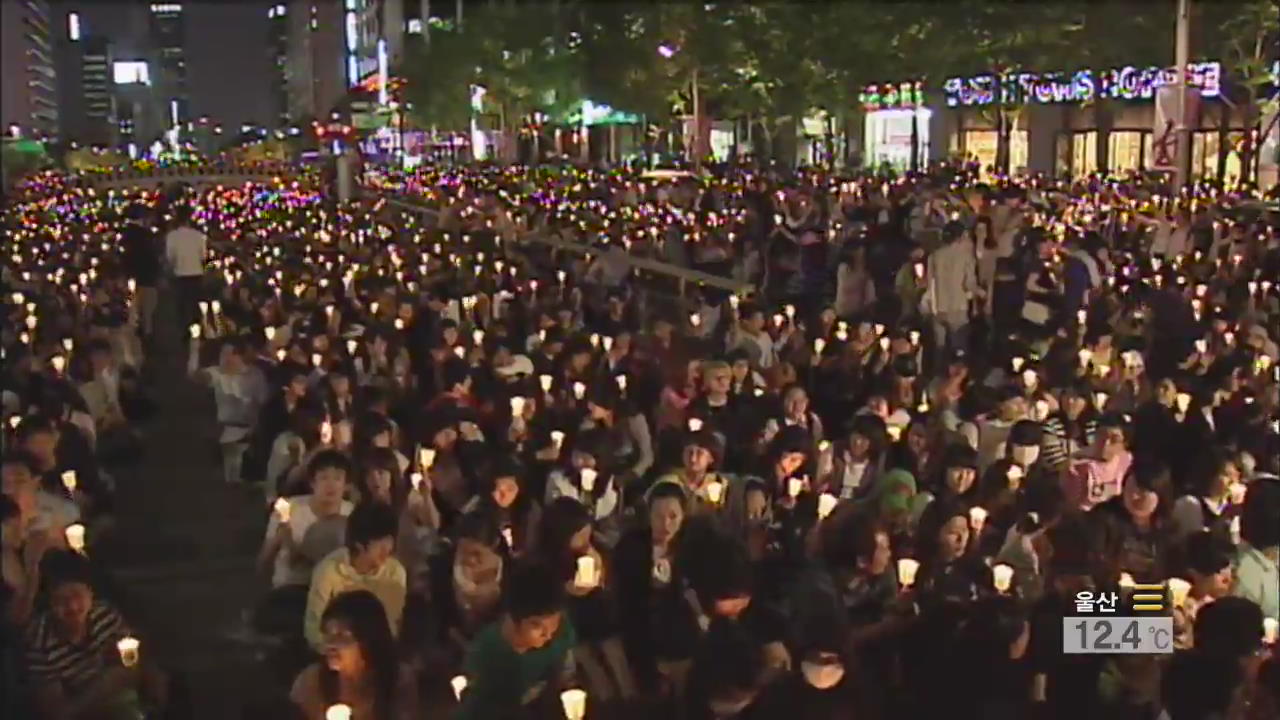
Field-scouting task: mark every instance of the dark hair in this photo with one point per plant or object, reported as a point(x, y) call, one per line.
point(1195, 686)
point(855, 540)
point(364, 615)
point(531, 589)
point(934, 518)
point(727, 660)
point(1076, 548)
point(480, 527)
point(368, 523)
point(1205, 471)
point(1260, 518)
point(1229, 628)
point(62, 567)
point(19, 456)
point(380, 458)
point(1208, 552)
point(729, 575)
point(456, 372)
point(328, 460)
point(32, 425)
point(562, 518)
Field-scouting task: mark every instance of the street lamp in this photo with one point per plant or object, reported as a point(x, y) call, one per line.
point(668, 52)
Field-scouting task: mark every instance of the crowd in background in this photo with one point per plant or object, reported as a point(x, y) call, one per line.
point(497, 462)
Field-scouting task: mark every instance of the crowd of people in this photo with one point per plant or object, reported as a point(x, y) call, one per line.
point(866, 476)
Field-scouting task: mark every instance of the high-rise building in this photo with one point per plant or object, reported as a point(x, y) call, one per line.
point(86, 89)
point(316, 65)
point(278, 59)
point(168, 37)
point(28, 100)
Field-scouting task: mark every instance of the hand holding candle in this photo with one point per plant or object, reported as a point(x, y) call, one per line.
point(75, 537)
point(907, 569)
point(575, 703)
point(127, 646)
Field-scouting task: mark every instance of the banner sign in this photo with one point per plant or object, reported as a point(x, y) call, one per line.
point(1164, 132)
point(1126, 83)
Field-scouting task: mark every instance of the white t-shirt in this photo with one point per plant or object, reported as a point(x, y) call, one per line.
point(184, 248)
point(290, 568)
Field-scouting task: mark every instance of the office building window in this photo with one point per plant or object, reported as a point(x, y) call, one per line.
point(73, 26)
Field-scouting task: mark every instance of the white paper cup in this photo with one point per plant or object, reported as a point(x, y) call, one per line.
point(1002, 577)
point(128, 648)
point(574, 701)
point(907, 568)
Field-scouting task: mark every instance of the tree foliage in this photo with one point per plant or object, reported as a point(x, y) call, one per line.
point(772, 61)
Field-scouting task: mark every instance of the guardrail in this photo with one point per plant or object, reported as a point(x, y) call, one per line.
point(682, 275)
point(194, 176)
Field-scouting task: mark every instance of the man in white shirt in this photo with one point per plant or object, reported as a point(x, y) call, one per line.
point(184, 250)
point(239, 391)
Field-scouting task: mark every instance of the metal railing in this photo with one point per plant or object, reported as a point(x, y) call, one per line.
point(682, 276)
point(197, 174)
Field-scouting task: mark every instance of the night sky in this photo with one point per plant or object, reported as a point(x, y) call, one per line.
point(227, 52)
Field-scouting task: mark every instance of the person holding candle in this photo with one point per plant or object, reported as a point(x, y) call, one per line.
point(1258, 555)
point(515, 510)
point(1097, 474)
point(366, 562)
point(588, 481)
point(20, 579)
point(1207, 505)
point(1208, 559)
point(567, 548)
point(359, 667)
point(43, 515)
point(626, 432)
point(1136, 526)
point(950, 570)
point(71, 657)
point(658, 624)
point(467, 579)
point(520, 661)
point(239, 391)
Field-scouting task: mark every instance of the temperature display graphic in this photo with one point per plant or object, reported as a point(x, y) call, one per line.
point(1117, 635)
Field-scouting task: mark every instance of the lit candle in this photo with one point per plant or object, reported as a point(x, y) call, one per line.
point(695, 424)
point(826, 504)
point(415, 479)
point(545, 382)
point(795, 486)
point(1029, 378)
point(587, 574)
point(907, 568)
point(579, 390)
point(557, 438)
point(1126, 581)
point(459, 683)
point(1085, 356)
point(127, 646)
point(1270, 630)
point(1179, 589)
point(326, 432)
point(588, 477)
point(819, 345)
point(622, 382)
point(282, 508)
point(426, 458)
point(75, 537)
point(1183, 401)
point(1237, 491)
point(575, 703)
point(59, 363)
point(1017, 363)
point(714, 490)
point(1002, 577)
point(977, 518)
point(69, 480)
point(695, 319)
point(517, 407)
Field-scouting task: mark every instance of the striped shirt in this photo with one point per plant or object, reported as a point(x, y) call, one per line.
point(52, 659)
point(1058, 445)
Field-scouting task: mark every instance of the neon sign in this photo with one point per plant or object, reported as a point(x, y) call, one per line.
point(1126, 83)
point(892, 96)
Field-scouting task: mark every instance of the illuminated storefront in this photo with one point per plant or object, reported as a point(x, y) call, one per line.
point(890, 109)
point(1082, 121)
